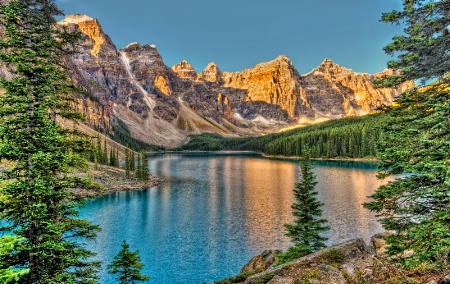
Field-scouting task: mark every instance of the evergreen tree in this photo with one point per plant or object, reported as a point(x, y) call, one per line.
point(105, 152)
point(127, 266)
point(112, 161)
point(117, 158)
point(36, 202)
point(423, 49)
point(98, 150)
point(306, 231)
point(133, 162)
point(9, 245)
point(138, 172)
point(144, 167)
point(417, 205)
point(127, 163)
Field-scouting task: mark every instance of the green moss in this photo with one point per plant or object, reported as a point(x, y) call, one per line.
point(332, 256)
point(307, 277)
point(264, 278)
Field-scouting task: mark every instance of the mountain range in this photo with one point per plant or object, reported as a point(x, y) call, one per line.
point(162, 105)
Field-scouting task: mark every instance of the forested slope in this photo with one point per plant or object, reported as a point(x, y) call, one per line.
point(347, 138)
point(354, 137)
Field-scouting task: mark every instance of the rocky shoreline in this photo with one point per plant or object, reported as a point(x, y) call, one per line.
point(112, 179)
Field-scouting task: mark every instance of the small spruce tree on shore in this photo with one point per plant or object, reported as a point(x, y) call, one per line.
point(306, 231)
point(138, 172)
point(127, 266)
point(133, 162)
point(144, 167)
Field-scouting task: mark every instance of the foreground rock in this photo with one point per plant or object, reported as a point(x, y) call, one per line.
point(261, 262)
point(350, 262)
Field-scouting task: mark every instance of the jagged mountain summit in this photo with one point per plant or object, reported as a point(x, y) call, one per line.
point(162, 105)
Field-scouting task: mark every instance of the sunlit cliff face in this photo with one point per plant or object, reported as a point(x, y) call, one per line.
point(162, 84)
point(185, 70)
point(163, 105)
point(89, 27)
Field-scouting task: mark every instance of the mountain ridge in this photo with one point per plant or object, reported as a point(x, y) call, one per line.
point(163, 105)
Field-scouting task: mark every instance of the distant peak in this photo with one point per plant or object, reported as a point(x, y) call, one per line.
point(76, 19)
point(185, 70)
point(183, 65)
point(211, 73)
point(131, 44)
point(327, 61)
point(283, 58)
point(211, 67)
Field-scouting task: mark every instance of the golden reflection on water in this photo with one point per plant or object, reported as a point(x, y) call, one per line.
point(255, 185)
point(267, 198)
point(344, 191)
point(262, 189)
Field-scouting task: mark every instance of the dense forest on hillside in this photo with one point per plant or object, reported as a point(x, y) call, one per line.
point(350, 137)
point(353, 137)
point(121, 134)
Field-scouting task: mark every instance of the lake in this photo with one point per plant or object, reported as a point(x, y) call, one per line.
point(217, 210)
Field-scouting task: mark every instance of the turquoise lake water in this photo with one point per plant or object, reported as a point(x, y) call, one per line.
point(217, 210)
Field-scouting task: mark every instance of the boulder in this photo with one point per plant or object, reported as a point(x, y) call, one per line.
point(261, 262)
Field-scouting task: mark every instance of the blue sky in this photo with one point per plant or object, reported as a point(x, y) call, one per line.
point(237, 34)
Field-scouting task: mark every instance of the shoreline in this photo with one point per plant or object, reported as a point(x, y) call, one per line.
point(153, 181)
point(365, 160)
point(112, 179)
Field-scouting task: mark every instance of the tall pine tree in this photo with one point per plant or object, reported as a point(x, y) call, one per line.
point(306, 232)
point(138, 172)
point(127, 163)
point(36, 201)
point(417, 205)
point(133, 161)
point(144, 167)
point(116, 156)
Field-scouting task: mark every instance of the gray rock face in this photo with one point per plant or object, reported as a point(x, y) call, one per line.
point(261, 261)
point(135, 85)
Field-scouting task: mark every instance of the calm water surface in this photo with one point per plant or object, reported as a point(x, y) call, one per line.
point(217, 210)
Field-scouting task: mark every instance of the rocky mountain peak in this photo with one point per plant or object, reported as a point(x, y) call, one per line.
point(329, 69)
point(281, 61)
point(275, 82)
point(185, 70)
point(329, 64)
point(136, 46)
point(211, 65)
point(283, 58)
point(133, 44)
point(75, 19)
point(211, 73)
point(89, 26)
